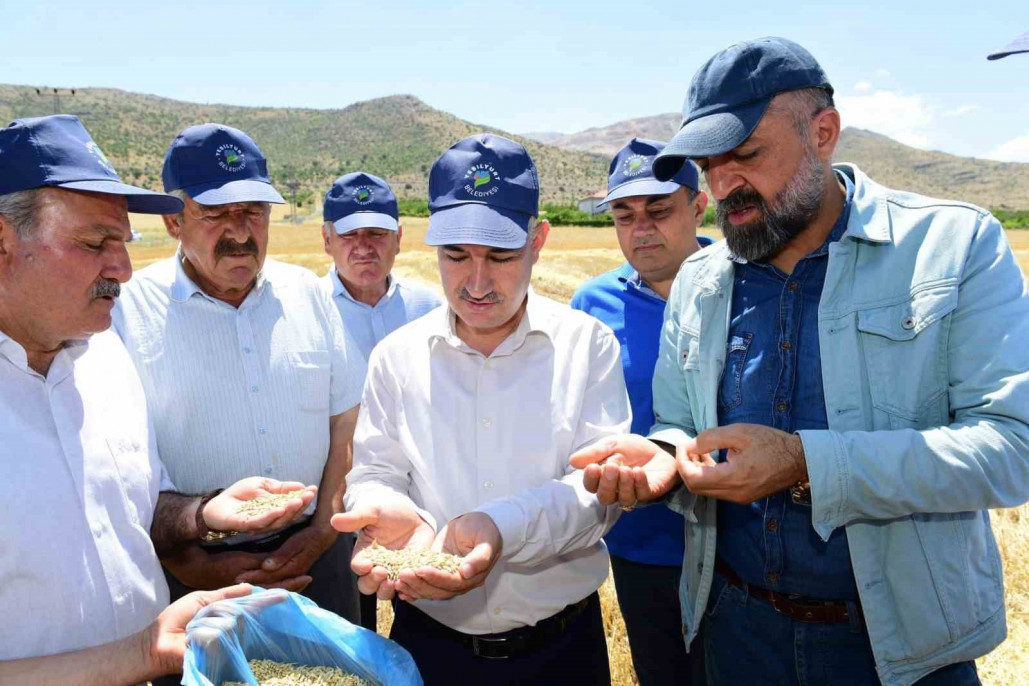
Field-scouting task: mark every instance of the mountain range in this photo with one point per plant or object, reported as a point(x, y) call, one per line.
point(398, 137)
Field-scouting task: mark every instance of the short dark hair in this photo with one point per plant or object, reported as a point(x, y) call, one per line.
point(804, 104)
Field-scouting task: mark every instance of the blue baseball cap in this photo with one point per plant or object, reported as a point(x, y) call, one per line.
point(1020, 44)
point(632, 172)
point(360, 201)
point(217, 165)
point(57, 151)
point(730, 93)
point(484, 190)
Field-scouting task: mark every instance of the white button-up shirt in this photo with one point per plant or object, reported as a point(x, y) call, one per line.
point(403, 302)
point(454, 431)
point(80, 482)
point(238, 392)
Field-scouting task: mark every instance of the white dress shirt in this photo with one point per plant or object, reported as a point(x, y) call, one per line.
point(80, 482)
point(403, 302)
point(454, 431)
point(238, 392)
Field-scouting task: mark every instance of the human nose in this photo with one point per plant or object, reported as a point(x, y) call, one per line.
point(480, 282)
point(721, 177)
point(117, 265)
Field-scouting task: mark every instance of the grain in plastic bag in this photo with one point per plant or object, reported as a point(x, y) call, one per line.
point(285, 627)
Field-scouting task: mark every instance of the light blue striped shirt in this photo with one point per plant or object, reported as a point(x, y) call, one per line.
point(239, 392)
point(404, 302)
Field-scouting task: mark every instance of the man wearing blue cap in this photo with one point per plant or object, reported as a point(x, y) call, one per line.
point(833, 384)
point(79, 572)
point(656, 223)
point(469, 417)
point(246, 369)
point(362, 234)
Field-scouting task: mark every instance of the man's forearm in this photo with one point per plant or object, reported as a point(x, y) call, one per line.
point(337, 465)
point(174, 522)
point(122, 662)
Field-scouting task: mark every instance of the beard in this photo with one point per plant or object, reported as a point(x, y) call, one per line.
point(788, 214)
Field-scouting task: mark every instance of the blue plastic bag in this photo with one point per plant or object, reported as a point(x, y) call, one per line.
point(286, 627)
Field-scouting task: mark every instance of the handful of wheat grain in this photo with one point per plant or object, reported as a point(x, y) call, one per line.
point(271, 673)
point(409, 558)
point(265, 503)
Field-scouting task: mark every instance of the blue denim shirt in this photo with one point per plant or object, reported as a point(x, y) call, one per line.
point(922, 327)
point(773, 376)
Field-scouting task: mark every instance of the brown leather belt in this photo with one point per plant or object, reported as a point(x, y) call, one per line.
point(799, 608)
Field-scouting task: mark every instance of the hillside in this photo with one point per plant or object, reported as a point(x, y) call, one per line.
point(984, 182)
point(397, 137)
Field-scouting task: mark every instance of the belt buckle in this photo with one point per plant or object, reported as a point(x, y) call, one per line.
point(478, 652)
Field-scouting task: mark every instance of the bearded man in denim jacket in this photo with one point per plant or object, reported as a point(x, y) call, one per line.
point(843, 382)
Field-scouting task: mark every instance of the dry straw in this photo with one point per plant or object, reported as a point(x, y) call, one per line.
point(409, 558)
point(271, 673)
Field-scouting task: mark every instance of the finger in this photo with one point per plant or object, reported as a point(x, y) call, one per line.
point(386, 591)
point(237, 591)
point(354, 520)
point(592, 454)
point(607, 492)
point(276, 486)
point(626, 487)
point(702, 479)
point(296, 584)
point(416, 588)
point(591, 477)
point(712, 440)
point(370, 582)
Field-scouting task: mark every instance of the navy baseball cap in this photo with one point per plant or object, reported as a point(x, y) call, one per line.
point(632, 172)
point(1020, 44)
point(360, 201)
point(57, 151)
point(217, 165)
point(484, 190)
point(730, 93)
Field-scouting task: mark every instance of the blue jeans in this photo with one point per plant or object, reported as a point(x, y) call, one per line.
point(748, 642)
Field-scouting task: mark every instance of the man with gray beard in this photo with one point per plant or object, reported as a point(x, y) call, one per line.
point(843, 386)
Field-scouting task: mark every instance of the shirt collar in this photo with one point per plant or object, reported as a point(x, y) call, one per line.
point(183, 287)
point(537, 319)
point(340, 291)
point(632, 279)
point(16, 354)
point(838, 229)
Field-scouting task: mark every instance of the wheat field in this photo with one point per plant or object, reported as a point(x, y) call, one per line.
point(572, 255)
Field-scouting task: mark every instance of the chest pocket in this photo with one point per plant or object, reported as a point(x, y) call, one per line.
point(311, 375)
point(730, 390)
point(905, 350)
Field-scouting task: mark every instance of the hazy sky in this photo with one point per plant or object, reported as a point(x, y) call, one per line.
point(916, 71)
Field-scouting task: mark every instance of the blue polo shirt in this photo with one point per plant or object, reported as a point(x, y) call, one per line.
point(620, 299)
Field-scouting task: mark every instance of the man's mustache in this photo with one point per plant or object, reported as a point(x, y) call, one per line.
point(491, 297)
point(227, 246)
point(739, 200)
point(105, 288)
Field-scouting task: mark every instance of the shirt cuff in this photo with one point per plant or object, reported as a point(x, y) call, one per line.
point(829, 474)
point(510, 521)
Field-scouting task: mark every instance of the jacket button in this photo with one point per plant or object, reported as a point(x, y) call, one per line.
point(908, 323)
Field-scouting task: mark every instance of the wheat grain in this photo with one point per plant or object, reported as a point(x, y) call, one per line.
point(410, 558)
point(271, 673)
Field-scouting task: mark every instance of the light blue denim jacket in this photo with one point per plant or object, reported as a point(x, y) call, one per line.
point(924, 334)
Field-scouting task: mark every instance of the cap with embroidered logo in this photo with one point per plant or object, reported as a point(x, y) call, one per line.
point(360, 201)
point(484, 190)
point(57, 151)
point(728, 96)
point(217, 165)
point(632, 172)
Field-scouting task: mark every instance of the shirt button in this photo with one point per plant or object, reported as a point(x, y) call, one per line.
point(246, 351)
point(781, 407)
point(772, 577)
point(261, 430)
point(487, 485)
point(496, 610)
point(793, 287)
point(253, 389)
point(772, 525)
point(908, 323)
point(267, 470)
point(487, 423)
point(786, 345)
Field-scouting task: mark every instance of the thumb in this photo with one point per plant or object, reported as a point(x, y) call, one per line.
point(478, 560)
point(710, 440)
point(592, 454)
point(354, 520)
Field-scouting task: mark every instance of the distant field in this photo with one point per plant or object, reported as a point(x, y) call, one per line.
point(572, 255)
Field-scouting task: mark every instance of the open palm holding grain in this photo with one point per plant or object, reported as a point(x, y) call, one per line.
point(257, 505)
point(396, 526)
point(473, 536)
